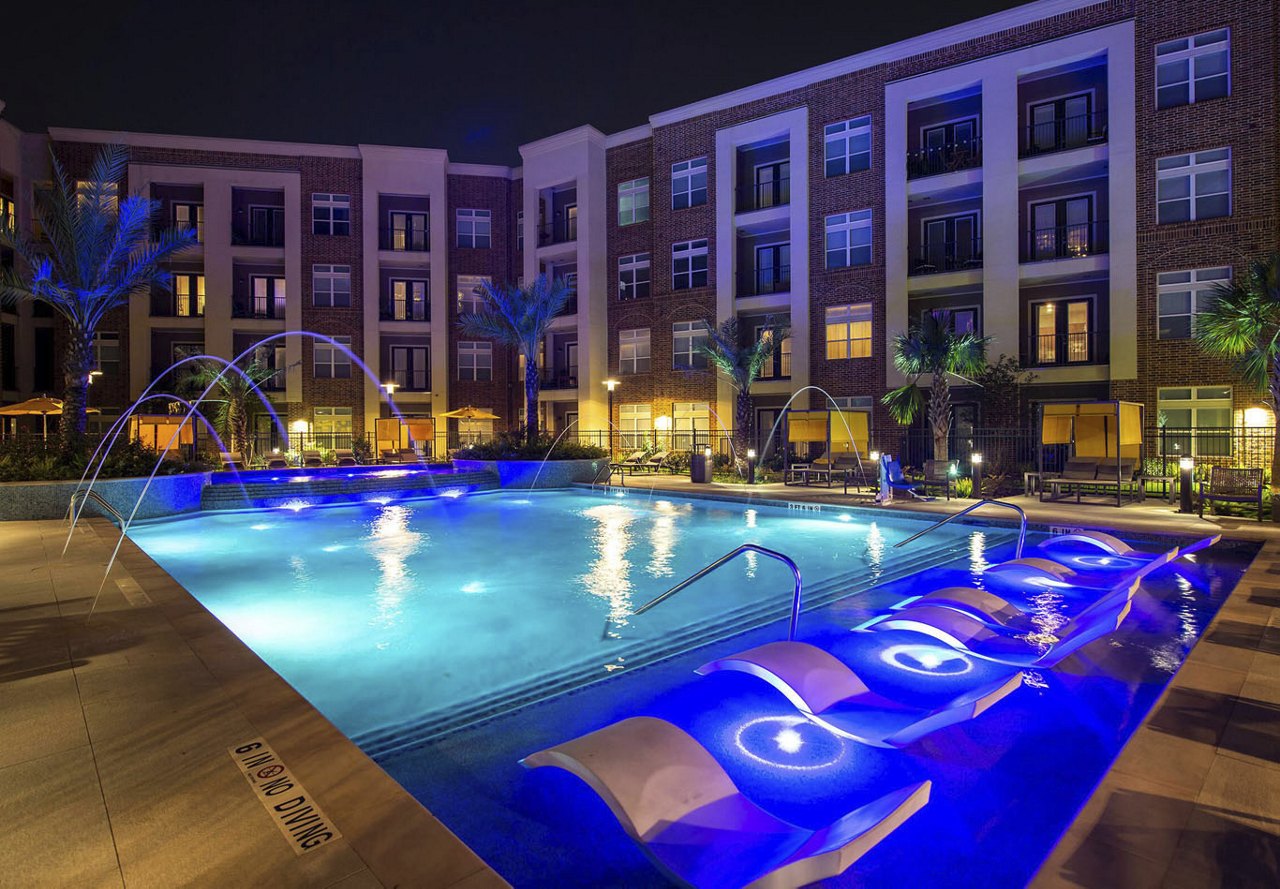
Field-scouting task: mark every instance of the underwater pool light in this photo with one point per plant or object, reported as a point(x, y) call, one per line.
point(295, 506)
point(797, 744)
point(380, 501)
point(453, 493)
point(261, 526)
point(789, 740)
point(927, 660)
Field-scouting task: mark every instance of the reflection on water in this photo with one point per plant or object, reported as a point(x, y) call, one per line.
point(662, 537)
point(875, 550)
point(1168, 657)
point(391, 542)
point(978, 555)
point(609, 574)
point(750, 516)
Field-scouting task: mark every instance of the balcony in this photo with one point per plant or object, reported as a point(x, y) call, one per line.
point(1065, 242)
point(570, 307)
point(255, 236)
point(1065, 349)
point(779, 368)
point(560, 378)
point(947, 158)
point(947, 256)
point(404, 240)
point(271, 310)
point(404, 311)
point(774, 279)
point(1064, 134)
point(763, 195)
point(561, 231)
point(165, 304)
point(411, 379)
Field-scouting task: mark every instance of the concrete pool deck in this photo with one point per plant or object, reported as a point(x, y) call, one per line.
point(116, 767)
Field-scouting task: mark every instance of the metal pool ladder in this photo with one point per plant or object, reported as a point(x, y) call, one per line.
point(1022, 531)
point(796, 594)
point(96, 498)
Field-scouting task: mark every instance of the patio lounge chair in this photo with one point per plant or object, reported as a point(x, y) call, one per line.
point(657, 460)
point(277, 461)
point(1232, 486)
point(830, 693)
point(672, 797)
point(312, 459)
point(1076, 470)
point(344, 457)
point(232, 460)
point(937, 474)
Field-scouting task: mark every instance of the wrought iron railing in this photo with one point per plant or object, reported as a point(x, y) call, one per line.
point(1052, 349)
point(1064, 134)
point(947, 256)
point(405, 240)
point(558, 231)
point(774, 279)
point(1065, 241)
point(948, 158)
point(762, 195)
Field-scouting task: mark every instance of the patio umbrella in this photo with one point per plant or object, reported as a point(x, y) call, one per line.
point(470, 413)
point(43, 407)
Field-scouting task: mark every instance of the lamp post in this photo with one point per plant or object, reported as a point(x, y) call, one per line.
point(976, 460)
point(610, 385)
point(751, 466)
point(1186, 466)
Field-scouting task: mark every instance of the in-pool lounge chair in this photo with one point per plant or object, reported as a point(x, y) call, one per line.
point(312, 459)
point(998, 613)
point(1112, 554)
point(830, 693)
point(344, 457)
point(673, 798)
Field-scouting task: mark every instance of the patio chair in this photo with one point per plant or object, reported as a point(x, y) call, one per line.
point(1076, 470)
point(232, 460)
point(312, 459)
point(830, 693)
point(656, 461)
point(937, 474)
point(1228, 485)
point(633, 462)
point(389, 455)
point(408, 455)
point(277, 461)
point(674, 800)
point(344, 457)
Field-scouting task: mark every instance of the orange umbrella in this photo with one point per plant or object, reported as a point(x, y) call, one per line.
point(43, 407)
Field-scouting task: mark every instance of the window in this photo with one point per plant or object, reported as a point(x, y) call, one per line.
point(633, 201)
point(689, 183)
point(266, 226)
point(7, 211)
point(475, 361)
point(520, 230)
point(1193, 186)
point(633, 276)
point(689, 264)
point(475, 228)
point(268, 296)
point(688, 338)
point(410, 368)
point(408, 300)
point(330, 214)
point(1061, 229)
point(1064, 122)
point(779, 366)
point(633, 351)
point(1180, 296)
point(272, 356)
point(188, 295)
point(849, 239)
point(1193, 69)
point(331, 285)
point(106, 352)
point(848, 146)
point(331, 421)
point(949, 243)
point(108, 196)
point(634, 423)
point(409, 232)
point(331, 362)
point(1061, 332)
point(189, 216)
point(179, 351)
point(690, 424)
point(849, 331)
point(1197, 420)
point(471, 292)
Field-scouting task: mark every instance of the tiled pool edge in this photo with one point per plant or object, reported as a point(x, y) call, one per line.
point(399, 841)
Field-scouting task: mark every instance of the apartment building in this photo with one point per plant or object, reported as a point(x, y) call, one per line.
point(1068, 177)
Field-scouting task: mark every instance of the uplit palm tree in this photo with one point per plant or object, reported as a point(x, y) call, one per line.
point(520, 317)
point(233, 397)
point(741, 361)
point(1242, 325)
point(933, 347)
point(97, 251)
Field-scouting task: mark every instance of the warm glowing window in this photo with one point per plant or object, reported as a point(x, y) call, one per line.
point(268, 296)
point(332, 421)
point(471, 292)
point(634, 424)
point(849, 331)
point(188, 294)
point(633, 351)
point(408, 300)
point(189, 216)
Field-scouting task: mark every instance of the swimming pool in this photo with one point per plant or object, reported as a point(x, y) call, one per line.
point(402, 620)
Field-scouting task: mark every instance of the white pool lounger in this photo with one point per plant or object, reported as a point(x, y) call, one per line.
point(675, 800)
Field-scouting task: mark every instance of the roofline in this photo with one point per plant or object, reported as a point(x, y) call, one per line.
point(497, 171)
point(201, 143)
point(626, 137)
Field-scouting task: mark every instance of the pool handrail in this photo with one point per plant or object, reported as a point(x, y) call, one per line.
point(97, 498)
point(1022, 531)
point(796, 595)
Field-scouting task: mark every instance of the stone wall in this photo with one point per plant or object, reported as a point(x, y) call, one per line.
point(167, 495)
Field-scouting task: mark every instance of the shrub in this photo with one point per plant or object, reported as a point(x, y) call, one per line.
point(26, 459)
point(512, 446)
point(964, 488)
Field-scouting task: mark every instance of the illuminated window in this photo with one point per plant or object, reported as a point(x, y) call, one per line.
point(330, 214)
point(188, 294)
point(690, 424)
point(475, 361)
point(689, 183)
point(634, 424)
point(1193, 186)
point(849, 239)
point(475, 228)
point(633, 351)
point(331, 421)
point(1197, 420)
point(189, 217)
point(849, 331)
point(408, 300)
point(331, 285)
point(268, 296)
point(1180, 296)
point(471, 292)
point(106, 352)
point(848, 146)
point(633, 201)
point(107, 194)
point(409, 232)
point(1193, 69)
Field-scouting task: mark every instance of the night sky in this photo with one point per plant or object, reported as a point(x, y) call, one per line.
point(475, 78)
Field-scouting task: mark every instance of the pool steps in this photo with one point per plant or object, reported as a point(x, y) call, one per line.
point(340, 488)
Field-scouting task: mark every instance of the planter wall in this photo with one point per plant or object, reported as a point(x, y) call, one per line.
point(534, 473)
point(168, 495)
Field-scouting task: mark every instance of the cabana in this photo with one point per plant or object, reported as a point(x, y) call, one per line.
point(164, 431)
point(392, 434)
point(844, 435)
point(1105, 448)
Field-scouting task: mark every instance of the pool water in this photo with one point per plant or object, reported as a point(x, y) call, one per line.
point(402, 620)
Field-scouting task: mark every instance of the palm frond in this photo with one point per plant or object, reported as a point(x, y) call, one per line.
point(1241, 322)
point(904, 403)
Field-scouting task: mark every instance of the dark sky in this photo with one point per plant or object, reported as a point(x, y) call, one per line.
point(477, 78)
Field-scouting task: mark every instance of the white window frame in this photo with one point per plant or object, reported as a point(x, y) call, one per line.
point(843, 228)
point(1189, 50)
point(1199, 400)
point(332, 420)
point(633, 201)
point(475, 228)
point(331, 286)
point(106, 342)
point(840, 137)
point(519, 229)
point(689, 420)
point(1191, 167)
point(329, 362)
point(1199, 286)
point(686, 336)
point(682, 177)
point(634, 269)
point(635, 422)
point(847, 316)
point(330, 213)
point(475, 361)
point(634, 350)
point(470, 292)
point(694, 274)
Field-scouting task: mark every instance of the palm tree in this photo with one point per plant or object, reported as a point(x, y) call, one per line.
point(741, 362)
point(98, 251)
point(234, 395)
point(520, 317)
point(933, 347)
point(1242, 325)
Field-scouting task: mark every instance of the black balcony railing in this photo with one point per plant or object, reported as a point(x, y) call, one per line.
point(1065, 241)
point(1064, 133)
point(776, 279)
point(560, 378)
point(1056, 349)
point(405, 240)
point(266, 236)
point(258, 310)
point(412, 380)
point(779, 368)
point(763, 195)
point(570, 307)
point(947, 256)
point(171, 305)
point(558, 231)
point(946, 158)
point(401, 311)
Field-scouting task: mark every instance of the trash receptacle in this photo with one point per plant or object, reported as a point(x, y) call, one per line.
point(700, 468)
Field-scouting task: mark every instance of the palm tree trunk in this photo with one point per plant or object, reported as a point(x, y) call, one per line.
point(531, 386)
point(940, 414)
point(75, 392)
point(238, 420)
point(743, 425)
